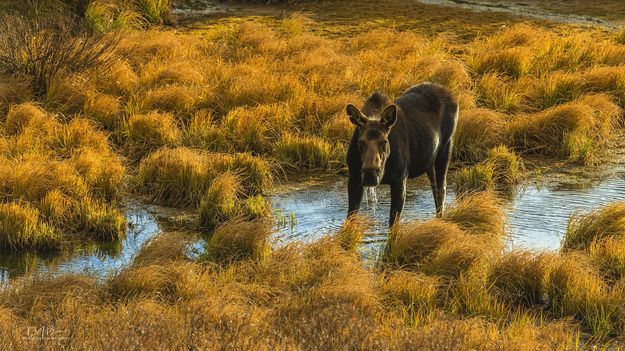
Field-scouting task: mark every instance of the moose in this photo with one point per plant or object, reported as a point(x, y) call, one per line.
point(394, 141)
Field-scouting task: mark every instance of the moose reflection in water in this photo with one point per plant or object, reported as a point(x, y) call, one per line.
point(401, 140)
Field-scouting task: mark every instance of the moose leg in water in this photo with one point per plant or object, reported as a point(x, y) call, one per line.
point(354, 194)
point(431, 173)
point(398, 197)
point(441, 166)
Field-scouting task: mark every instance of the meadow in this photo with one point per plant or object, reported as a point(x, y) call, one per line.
point(101, 101)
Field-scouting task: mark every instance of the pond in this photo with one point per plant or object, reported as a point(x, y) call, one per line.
point(306, 211)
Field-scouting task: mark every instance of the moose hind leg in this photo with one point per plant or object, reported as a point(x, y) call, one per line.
point(354, 195)
point(441, 166)
point(398, 197)
point(431, 173)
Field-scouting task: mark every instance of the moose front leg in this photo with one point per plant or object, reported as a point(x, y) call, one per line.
point(398, 196)
point(354, 195)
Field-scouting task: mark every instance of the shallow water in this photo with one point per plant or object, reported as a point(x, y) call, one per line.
point(537, 217)
point(97, 259)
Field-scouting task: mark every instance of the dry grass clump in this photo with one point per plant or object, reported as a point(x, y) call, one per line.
point(238, 241)
point(204, 133)
point(473, 179)
point(256, 129)
point(170, 98)
point(106, 110)
point(152, 131)
point(439, 247)
point(20, 116)
point(152, 280)
point(512, 62)
point(120, 79)
point(21, 228)
point(576, 289)
point(477, 132)
point(507, 166)
point(576, 130)
point(415, 292)
point(498, 93)
point(181, 176)
point(480, 214)
point(79, 135)
point(307, 152)
point(13, 91)
point(606, 222)
point(520, 277)
point(608, 254)
point(103, 174)
point(352, 232)
point(410, 244)
point(221, 200)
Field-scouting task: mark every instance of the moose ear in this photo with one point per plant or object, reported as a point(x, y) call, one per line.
point(389, 116)
point(357, 118)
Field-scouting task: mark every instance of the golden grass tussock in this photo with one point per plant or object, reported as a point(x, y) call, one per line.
point(256, 129)
point(120, 79)
point(411, 243)
point(21, 228)
point(31, 180)
point(438, 248)
point(352, 232)
point(66, 95)
point(79, 135)
point(477, 132)
point(158, 72)
point(507, 166)
point(170, 98)
point(480, 214)
point(584, 229)
point(238, 241)
point(13, 92)
point(204, 133)
point(519, 35)
point(151, 131)
point(154, 280)
point(577, 130)
point(608, 254)
point(106, 110)
point(181, 176)
point(221, 201)
point(20, 116)
point(512, 62)
point(499, 93)
point(474, 179)
point(104, 174)
point(576, 289)
point(307, 152)
point(521, 277)
point(415, 292)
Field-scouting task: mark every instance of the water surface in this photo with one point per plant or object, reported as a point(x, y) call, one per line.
point(537, 216)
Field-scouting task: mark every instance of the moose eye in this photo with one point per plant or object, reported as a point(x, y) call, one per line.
point(362, 144)
point(383, 144)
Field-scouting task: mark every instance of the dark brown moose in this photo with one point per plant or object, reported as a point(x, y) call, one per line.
point(398, 140)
